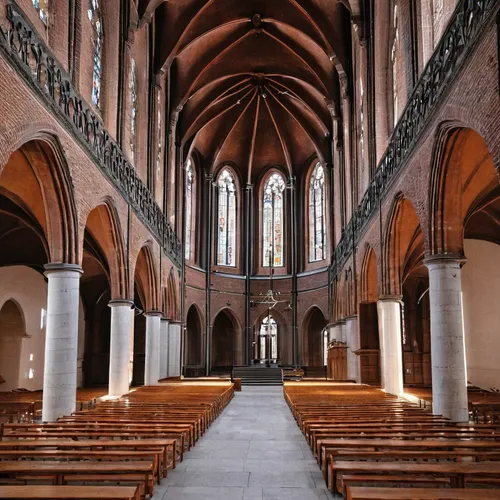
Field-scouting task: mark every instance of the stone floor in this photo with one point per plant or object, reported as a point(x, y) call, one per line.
point(253, 451)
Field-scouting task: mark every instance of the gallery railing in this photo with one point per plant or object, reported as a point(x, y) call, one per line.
point(41, 70)
point(463, 31)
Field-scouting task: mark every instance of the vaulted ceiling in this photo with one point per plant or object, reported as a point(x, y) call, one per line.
point(253, 82)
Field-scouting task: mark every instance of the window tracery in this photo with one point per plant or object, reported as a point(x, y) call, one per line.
point(226, 219)
point(395, 63)
point(317, 222)
point(272, 218)
point(189, 195)
point(133, 109)
point(95, 18)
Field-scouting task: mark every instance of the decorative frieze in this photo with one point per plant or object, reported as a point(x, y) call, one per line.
point(462, 33)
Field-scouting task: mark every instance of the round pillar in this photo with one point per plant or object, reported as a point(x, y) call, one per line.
point(61, 341)
point(391, 355)
point(449, 376)
point(163, 348)
point(122, 322)
point(174, 350)
point(152, 365)
point(353, 344)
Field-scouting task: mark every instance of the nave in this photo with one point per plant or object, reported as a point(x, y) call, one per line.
point(254, 451)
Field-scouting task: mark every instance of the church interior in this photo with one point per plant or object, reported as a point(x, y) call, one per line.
point(247, 249)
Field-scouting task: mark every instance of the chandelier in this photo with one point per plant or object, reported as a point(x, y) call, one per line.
point(268, 298)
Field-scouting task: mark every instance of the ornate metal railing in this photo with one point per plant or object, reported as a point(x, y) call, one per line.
point(35, 62)
point(463, 31)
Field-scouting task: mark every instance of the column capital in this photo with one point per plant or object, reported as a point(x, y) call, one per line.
point(390, 298)
point(446, 259)
point(351, 317)
point(59, 267)
point(121, 303)
point(164, 319)
point(153, 313)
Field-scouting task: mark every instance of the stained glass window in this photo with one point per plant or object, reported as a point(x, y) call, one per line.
point(189, 208)
point(42, 6)
point(317, 222)
point(268, 340)
point(133, 109)
point(95, 19)
point(227, 219)
point(272, 219)
point(361, 121)
point(394, 60)
point(159, 139)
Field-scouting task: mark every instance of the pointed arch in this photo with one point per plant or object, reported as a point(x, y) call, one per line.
point(369, 278)
point(227, 216)
point(193, 351)
point(104, 226)
point(44, 185)
point(273, 219)
point(403, 240)
point(227, 340)
point(316, 203)
point(146, 279)
point(463, 181)
point(171, 306)
point(312, 340)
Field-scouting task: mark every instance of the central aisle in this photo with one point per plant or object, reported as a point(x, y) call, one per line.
point(253, 451)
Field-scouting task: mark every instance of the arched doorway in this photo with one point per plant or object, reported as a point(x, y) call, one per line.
point(313, 338)
point(193, 352)
point(12, 331)
point(225, 331)
point(95, 293)
point(368, 321)
point(267, 341)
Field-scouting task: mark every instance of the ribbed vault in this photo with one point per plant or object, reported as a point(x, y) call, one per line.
point(252, 82)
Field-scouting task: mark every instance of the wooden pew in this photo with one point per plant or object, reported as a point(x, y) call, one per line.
point(375, 493)
point(61, 472)
point(457, 472)
point(124, 446)
point(41, 492)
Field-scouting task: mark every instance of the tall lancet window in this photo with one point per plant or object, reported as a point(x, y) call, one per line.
point(273, 220)
point(395, 63)
point(42, 6)
point(190, 181)
point(95, 18)
point(317, 222)
point(133, 109)
point(227, 219)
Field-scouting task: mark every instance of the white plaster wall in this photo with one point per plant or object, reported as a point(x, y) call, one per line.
point(481, 291)
point(29, 289)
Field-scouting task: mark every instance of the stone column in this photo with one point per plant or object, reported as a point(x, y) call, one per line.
point(331, 333)
point(152, 364)
point(163, 348)
point(449, 376)
point(343, 331)
point(122, 322)
point(174, 351)
point(337, 332)
point(391, 356)
point(353, 344)
point(61, 341)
